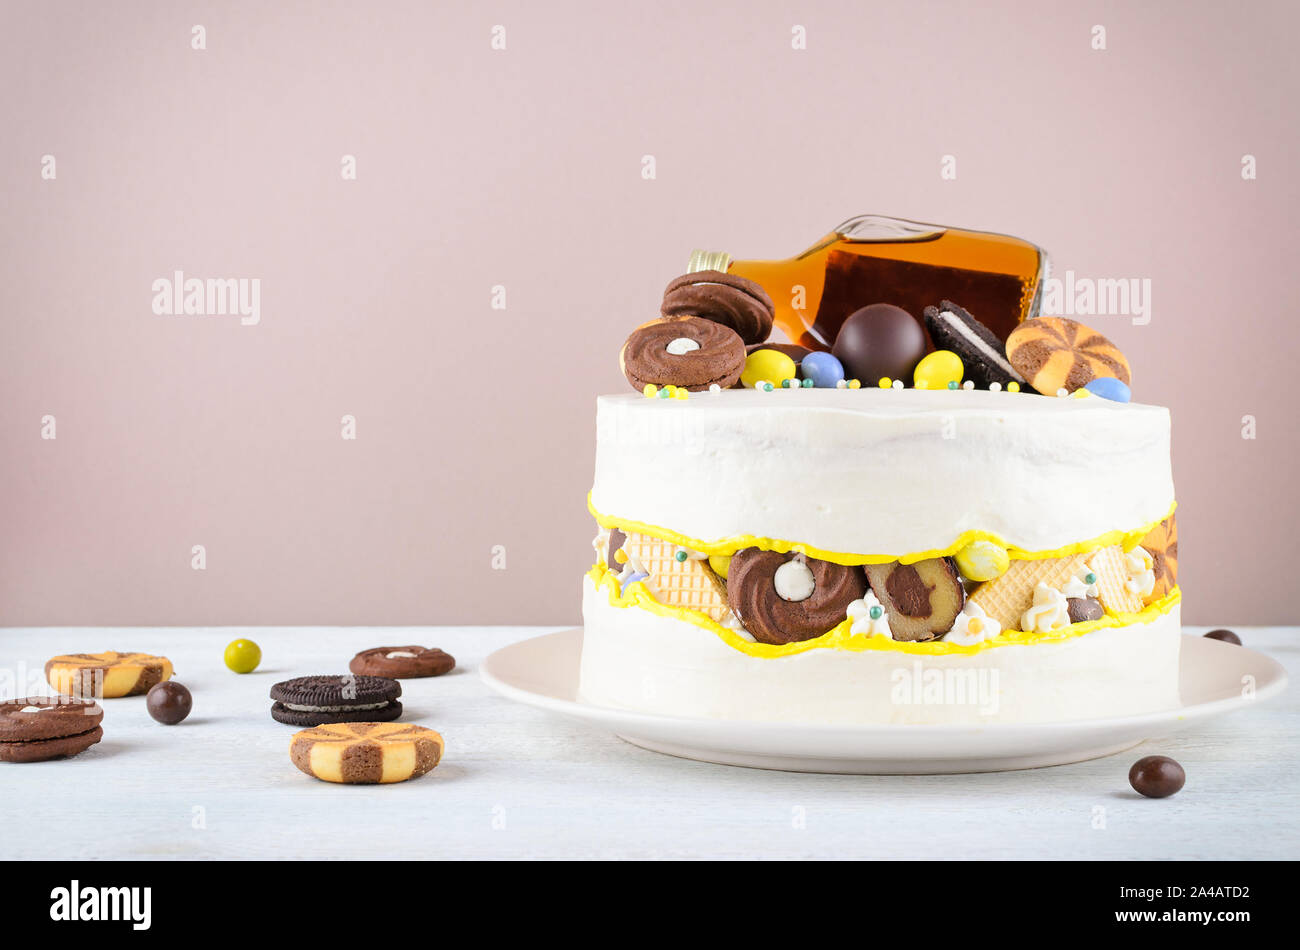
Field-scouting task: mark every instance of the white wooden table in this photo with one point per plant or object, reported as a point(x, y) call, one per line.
point(518, 783)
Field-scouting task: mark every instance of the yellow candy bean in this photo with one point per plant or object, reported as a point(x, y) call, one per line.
point(720, 563)
point(772, 365)
point(936, 370)
point(983, 560)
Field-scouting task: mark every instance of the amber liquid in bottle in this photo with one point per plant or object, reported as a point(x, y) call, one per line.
point(873, 259)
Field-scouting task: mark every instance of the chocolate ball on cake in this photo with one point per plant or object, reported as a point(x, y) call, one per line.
point(879, 340)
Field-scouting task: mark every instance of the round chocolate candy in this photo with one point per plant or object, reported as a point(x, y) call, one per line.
point(1156, 776)
point(1226, 636)
point(880, 340)
point(169, 702)
point(1083, 609)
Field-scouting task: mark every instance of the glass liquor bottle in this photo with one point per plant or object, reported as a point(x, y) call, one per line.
point(875, 259)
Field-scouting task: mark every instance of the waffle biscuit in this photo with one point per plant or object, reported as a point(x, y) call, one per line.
point(1112, 580)
point(366, 753)
point(1006, 598)
point(688, 583)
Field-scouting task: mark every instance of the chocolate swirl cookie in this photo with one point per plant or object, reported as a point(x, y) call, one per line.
point(732, 301)
point(690, 352)
point(785, 598)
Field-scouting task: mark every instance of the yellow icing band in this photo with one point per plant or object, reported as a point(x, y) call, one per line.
point(1127, 539)
point(839, 638)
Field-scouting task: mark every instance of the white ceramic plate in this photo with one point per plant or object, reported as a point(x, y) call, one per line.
point(543, 672)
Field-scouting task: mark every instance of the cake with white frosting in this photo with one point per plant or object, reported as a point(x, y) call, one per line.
point(813, 549)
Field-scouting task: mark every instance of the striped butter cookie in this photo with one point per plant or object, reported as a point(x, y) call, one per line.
point(1161, 543)
point(1054, 353)
point(106, 675)
point(366, 753)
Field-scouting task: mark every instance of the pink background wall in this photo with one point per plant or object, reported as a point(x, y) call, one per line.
point(522, 167)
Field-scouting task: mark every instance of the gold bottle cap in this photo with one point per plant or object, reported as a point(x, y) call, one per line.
point(708, 260)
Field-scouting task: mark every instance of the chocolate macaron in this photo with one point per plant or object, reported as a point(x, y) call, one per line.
point(47, 727)
point(317, 700)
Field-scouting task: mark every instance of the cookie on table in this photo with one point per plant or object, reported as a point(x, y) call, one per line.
point(366, 753)
point(317, 700)
point(983, 355)
point(106, 675)
point(402, 662)
point(724, 298)
point(690, 352)
point(1054, 353)
point(48, 727)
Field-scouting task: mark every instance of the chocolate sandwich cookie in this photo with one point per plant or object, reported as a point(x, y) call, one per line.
point(317, 700)
point(402, 662)
point(106, 675)
point(690, 352)
point(732, 301)
point(366, 753)
point(983, 355)
point(1054, 353)
point(47, 727)
point(785, 598)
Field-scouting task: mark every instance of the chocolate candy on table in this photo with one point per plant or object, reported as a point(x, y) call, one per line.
point(690, 352)
point(879, 340)
point(1156, 776)
point(169, 702)
point(728, 299)
point(785, 598)
point(1225, 636)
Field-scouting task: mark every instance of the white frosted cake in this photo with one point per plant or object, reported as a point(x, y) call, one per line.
point(777, 542)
